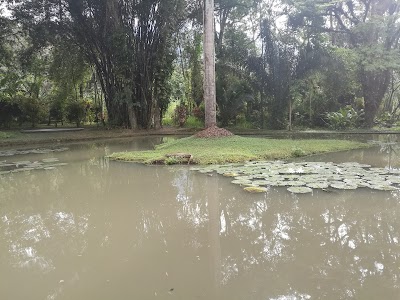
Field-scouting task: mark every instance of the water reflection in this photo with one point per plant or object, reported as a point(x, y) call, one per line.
point(96, 229)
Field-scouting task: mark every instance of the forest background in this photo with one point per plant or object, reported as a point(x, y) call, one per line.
point(280, 64)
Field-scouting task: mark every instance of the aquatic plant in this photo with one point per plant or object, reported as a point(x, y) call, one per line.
point(304, 177)
point(255, 189)
point(4, 135)
point(13, 152)
point(25, 166)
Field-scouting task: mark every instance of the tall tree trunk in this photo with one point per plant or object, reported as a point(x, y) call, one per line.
point(132, 117)
point(156, 115)
point(209, 65)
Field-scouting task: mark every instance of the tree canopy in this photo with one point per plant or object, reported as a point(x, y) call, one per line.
point(279, 63)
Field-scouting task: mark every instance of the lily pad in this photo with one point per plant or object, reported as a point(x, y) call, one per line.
point(262, 182)
point(295, 183)
point(18, 170)
point(318, 175)
point(57, 165)
point(25, 162)
point(255, 189)
point(344, 186)
point(394, 171)
point(27, 169)
point(50, 160)
point(381, 171)
point(383, 187)
point(206, 171)
point(195, 168)
point(49, 168)
point(393, 179)
point(299, 189)
point(279, 183)
point(354, 164)
point(241, 182)
point(318, 185)
point(229, 174)
point(5, 165)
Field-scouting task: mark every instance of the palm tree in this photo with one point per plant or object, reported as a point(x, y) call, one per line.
point(209, 65)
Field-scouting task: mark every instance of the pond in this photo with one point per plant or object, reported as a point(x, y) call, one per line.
point(82, 227)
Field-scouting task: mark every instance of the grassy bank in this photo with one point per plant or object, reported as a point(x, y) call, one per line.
point(233, 149)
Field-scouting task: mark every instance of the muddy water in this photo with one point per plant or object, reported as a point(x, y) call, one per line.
point(95, 229)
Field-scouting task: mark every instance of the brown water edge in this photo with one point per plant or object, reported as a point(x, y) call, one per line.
point(98, 133)
point(96, 229)
point(88, 134)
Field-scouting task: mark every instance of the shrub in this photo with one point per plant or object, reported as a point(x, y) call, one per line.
point(346, 118)
point(32, 110)
point(387, 119)
point(56, 112)
point(193, 122)
point(76, 112)
point(9, 113)
point(167, 121)
point(242, 123)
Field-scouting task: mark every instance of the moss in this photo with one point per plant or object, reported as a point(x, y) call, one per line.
point(235, 149)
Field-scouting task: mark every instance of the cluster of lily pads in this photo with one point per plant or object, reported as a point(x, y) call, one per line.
point(13, 152)
point(305, 176)
point(24, 166)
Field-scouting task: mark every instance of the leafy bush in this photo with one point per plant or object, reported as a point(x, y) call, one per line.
point(9, 113)
point(167, 121)
point(168, 118)
point(346, 118)
point(242, 123)
point(76, 112)
point(32, 110)
point(387, 120)
point(193, 122)
point(57, 111)
point(96, 114)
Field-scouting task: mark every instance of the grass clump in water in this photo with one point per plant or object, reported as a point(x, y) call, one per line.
point(4, 135)
point(232, 149)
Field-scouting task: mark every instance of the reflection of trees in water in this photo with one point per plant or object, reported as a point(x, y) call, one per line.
point(336, 245)
point(163, 228)
point(329, 247)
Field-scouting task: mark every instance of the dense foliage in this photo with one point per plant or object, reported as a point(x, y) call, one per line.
point(279, 64)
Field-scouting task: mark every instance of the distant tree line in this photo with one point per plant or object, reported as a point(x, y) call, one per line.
point(135, 63)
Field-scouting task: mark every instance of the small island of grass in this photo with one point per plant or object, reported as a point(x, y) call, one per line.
point(232, 149)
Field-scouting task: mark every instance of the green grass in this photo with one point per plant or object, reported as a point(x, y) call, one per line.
point(234, 149)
